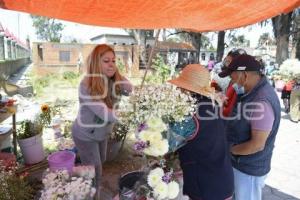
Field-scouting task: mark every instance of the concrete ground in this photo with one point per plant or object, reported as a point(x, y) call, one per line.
point(283, 181)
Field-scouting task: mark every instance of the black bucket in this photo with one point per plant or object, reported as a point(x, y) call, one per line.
point(126, 184)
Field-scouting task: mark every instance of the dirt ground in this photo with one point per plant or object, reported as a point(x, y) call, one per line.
point(126, 161)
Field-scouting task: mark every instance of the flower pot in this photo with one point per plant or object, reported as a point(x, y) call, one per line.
point(126, 185)
point(113, 149)
point(32, 149)
point(62, 160)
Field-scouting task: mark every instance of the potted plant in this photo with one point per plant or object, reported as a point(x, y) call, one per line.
point(29, 136)
point(116, 140)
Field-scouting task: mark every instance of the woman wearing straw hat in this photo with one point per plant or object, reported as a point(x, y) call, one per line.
point(205, 162)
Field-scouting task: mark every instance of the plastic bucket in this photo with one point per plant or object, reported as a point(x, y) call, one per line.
point(32, 149)
point(61, 160)
point(126, 184)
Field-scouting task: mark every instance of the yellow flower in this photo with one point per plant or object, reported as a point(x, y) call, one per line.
point(45, 108)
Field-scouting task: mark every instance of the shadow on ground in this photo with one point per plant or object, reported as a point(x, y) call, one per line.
point(270, 193)
point(125, 162)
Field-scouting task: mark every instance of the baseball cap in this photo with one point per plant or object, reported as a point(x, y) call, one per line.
point(243, 62)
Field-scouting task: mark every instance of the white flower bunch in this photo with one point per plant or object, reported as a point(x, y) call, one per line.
point(290, 69)
point(162, 185)
point(60, 186)
point(65, 143)
point(86, 171)
point(154, 144)
point(158, 101)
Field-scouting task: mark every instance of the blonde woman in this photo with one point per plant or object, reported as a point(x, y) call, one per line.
point(99, 92)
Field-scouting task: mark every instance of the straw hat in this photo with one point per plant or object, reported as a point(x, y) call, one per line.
point(195, 78)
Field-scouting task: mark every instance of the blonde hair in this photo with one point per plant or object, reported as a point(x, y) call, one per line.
point(96, 84)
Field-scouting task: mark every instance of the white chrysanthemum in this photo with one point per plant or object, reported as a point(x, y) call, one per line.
point(173, 190)
point(156, 123)
point(162, 146)
point(149, 135)
point(155, 176)
point(157, 148)
point(160, 191)
point(152, 151)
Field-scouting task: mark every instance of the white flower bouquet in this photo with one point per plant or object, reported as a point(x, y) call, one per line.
point(157, 101)
point(150, 140)
point(157, 183)
point(290, 69)
point(60, 185)
point(162, 184)
point(149, 112)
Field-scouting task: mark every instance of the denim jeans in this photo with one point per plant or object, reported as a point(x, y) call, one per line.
point(247, 187)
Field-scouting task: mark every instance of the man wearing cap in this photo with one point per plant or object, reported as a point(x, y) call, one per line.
point(252, 127)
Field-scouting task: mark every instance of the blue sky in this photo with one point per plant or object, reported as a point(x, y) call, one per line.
point(21, 25)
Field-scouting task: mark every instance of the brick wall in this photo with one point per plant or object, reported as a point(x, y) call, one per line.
point(47, 55)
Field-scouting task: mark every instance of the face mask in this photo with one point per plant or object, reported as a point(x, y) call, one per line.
point(238, 89)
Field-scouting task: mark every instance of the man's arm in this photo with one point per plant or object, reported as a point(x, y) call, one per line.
point(261, 121)
point(254, 145)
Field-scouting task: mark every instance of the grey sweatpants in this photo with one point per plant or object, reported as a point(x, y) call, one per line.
point(92, 153)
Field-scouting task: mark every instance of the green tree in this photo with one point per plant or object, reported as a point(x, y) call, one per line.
point(47, 29)
point(197, 39)
point(265, 38)
point(239, 40)
point(221, 45)
point(296, 31)
point(141, 36)
point(162, 71)
point(282, 29)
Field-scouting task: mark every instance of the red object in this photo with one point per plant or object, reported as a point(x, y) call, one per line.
point(231, 100)
point(215, 85)
point(288, 86)
point(8, 160)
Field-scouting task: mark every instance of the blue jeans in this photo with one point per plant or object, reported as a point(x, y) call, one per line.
point(247, 187)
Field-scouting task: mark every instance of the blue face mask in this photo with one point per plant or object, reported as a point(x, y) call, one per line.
point(238, 89)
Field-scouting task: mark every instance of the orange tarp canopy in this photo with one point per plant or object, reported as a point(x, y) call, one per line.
point(198, 15)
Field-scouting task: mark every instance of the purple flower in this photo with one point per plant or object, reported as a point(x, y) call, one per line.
point(167, 177)
point(142, 127)
point(140, 145)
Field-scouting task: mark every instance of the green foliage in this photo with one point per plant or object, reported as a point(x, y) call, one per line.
point(162, 71)
point(70, 75)
point(39, 83)
point(265, 37)
point(67, 130)
point(119, 131)
point(239, 40)
point(29, 128)
point(14, 187)
point(121, 66)
point(47, 29)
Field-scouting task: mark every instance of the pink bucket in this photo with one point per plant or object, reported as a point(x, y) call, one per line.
point(61, 160)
